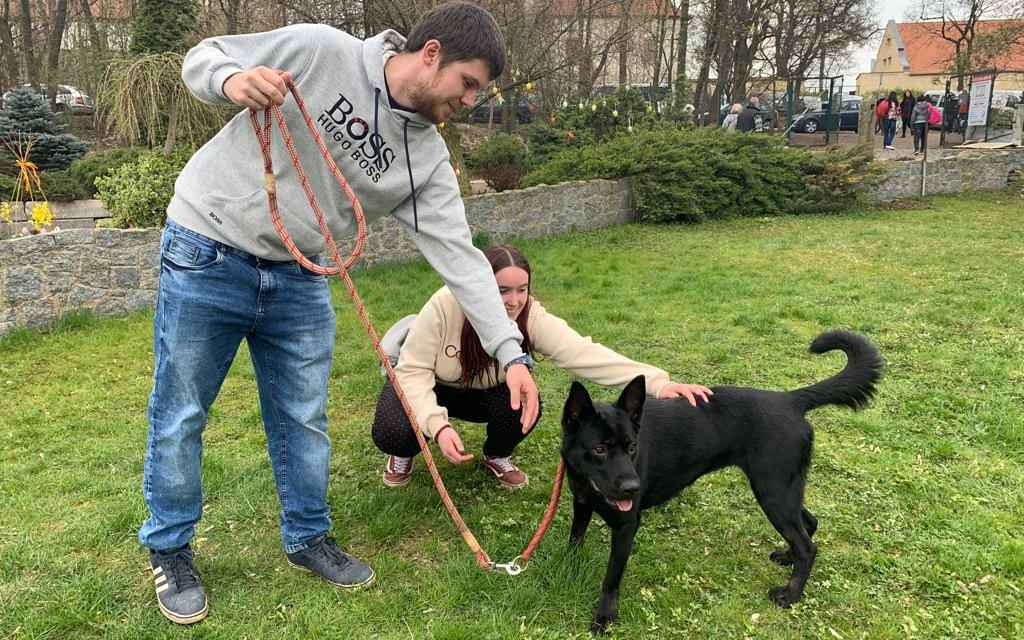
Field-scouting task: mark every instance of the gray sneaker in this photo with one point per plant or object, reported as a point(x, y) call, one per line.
point(325, 559)
point(179, 591)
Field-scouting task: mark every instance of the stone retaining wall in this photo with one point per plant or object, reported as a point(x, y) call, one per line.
point(112, 271)
point(956, 171)
point(108, 271)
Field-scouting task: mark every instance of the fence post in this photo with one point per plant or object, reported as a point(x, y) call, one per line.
point(1018, 127)
point(865, 125)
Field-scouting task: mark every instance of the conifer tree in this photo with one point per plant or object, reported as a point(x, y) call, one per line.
point(26, 115)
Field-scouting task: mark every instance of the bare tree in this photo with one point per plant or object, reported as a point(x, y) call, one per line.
point(682, 13)
point(9, 66)
point(53, 46)
point(26, 42)
point(97, 42)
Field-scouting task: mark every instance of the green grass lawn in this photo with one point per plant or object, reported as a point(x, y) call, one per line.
point(919, 498)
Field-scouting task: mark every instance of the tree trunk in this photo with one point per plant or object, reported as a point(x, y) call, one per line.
point(712, 43)
point(725, 57)
point(659, 43)
point(60, 21)
point(623, 41)
point(95, 41)
point(231, 9)
point(172, 126)
point(684, 28)
point(31, 71)
point(584, 56)
point(9, 67)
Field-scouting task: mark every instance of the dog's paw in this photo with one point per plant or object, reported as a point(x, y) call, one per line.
point(783, 597)
point(782, 556)
point(600, 624)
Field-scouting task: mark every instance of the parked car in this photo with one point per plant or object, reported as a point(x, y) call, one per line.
point(819, 119)
point(482, 114)
point(68, 98)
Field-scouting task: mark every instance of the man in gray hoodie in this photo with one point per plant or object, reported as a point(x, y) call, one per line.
point(225, 275)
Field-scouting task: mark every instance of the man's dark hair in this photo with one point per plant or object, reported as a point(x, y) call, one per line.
point(465, 30)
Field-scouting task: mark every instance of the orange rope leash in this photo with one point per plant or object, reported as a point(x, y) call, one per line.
point(341, 268)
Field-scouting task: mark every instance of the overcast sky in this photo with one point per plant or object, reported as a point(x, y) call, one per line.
point(885, 10)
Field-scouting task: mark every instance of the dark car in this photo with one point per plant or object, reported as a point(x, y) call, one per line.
point(482, 113)
point(821, 119)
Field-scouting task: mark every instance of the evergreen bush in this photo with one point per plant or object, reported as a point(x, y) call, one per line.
point(501, 161)
point(26, 116)
point(691, 175)
point(137, 193)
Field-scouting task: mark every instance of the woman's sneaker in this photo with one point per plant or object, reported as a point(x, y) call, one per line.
point(509, 475)
point(325, 559)
point(397, 471)
point(179, 592)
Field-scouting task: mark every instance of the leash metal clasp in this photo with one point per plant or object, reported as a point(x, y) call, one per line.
point(513, 568)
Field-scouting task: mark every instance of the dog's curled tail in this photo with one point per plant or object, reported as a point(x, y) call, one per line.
point(855, 384)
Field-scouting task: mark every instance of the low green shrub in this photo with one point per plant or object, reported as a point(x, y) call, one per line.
point(137, 193)
point(86, 169)
point(543, 142)
point(691, 175)
point(501, 161)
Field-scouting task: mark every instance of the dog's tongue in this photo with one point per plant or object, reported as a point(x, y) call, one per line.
point(623, 505)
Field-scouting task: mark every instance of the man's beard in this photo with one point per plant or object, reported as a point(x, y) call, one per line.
point(425, 104)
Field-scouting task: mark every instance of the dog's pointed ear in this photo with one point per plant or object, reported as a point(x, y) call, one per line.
point(577, 405)
point(632, 398)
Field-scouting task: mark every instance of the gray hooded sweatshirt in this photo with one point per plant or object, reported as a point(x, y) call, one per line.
point(405, 170)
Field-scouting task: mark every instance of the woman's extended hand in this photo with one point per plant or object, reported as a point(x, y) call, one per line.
point(451, 446)
point(689, 391)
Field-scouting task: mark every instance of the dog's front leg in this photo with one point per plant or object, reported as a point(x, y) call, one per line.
point(622, 545)
point(581, 513)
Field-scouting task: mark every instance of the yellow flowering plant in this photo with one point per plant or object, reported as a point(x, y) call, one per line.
point(28, 183)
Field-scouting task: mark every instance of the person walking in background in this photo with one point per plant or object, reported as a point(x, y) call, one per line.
point(890, 110)
point(750, 119)
point(906, 107)
point(919, 117)
point(964, 109)
point(729, 124)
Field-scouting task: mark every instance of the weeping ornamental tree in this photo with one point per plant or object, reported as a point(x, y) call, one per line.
point(144, 100)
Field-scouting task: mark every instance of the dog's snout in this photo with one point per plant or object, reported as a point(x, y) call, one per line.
point(628, 485)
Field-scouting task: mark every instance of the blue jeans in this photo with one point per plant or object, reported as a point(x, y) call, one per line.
point(889, 129)
point(212, 296)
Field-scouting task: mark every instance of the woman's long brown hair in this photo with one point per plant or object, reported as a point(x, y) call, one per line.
point(474, 360)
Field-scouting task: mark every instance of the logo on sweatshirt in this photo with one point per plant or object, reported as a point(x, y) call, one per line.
point(355, 135)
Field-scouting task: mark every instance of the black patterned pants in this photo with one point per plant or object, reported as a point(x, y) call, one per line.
point(393, 434)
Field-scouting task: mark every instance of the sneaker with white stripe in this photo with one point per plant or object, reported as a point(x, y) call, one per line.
point(509, 475)
point(179, 592)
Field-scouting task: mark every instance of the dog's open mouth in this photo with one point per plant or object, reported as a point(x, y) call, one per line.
point(621, 505)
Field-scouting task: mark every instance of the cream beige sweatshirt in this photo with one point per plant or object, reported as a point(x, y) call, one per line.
point(429, 357)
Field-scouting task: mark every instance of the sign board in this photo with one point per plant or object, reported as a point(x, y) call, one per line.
point(981, 96)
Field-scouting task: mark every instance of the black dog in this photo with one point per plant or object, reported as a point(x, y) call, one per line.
point(633, 455)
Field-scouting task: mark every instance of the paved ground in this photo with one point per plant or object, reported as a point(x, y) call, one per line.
point(904, 145)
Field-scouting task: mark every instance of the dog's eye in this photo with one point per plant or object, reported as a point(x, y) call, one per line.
point(632, 448)
point(600, 450)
